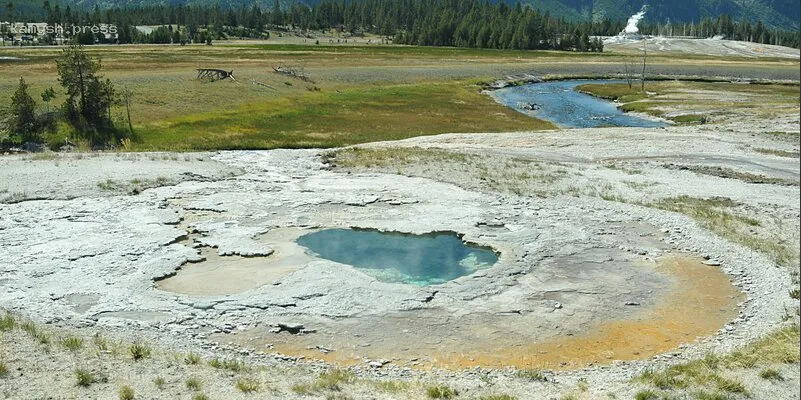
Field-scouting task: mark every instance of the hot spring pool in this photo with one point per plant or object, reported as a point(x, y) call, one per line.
point(399, 257)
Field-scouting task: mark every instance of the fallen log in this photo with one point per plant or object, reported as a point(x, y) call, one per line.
point(214, 74)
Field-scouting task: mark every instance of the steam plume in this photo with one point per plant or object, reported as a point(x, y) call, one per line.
point(631, 25)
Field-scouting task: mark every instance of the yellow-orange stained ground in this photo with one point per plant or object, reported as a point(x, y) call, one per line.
point(700, 302)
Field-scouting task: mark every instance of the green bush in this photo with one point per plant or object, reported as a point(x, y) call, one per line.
point(126, 393)
point(441, 392)
point(139, 351)
point(84, 377)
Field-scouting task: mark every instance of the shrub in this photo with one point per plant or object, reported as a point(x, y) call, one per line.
point(332, 380)
point(247, 385)
point(84, 377)
point(771, 374)
point(532, 374)
point(3, 368)
point(139, 351)
point(194, 384)
point(72, 343)
point(7, 322)
point(29, 327)
point(39, 335)
point(231, 365)
point(159, 382)
point(126, 393)
point(646, 395)
point(441, 392)
point(192, 359)
point(100, 342)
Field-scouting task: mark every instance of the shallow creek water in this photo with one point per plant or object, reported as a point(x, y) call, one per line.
point(559, 102)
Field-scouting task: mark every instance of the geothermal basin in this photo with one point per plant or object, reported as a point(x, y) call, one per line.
point(267, 261)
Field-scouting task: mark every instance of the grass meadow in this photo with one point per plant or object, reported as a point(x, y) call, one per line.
point(355, 94)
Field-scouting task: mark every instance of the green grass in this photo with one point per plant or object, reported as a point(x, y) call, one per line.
point(704, 395)
point(100, 342)
point(620, 92)
point(108, 184)
point(729, 173)
point(532, 375)
point(778, 347)
point(441, 392)
point(498, 397)
point(84, 377)
point(367, 93)
point(3, 368)
point(779, 153)
point(7, 322)
point(332, 380)
point(233, 365)
point(646, 395)
point(71, 343)
point(192, 359)
point(709, 373)
point(690, 119)
point(333, 119)
point(691, 98)
point(715, 214)
point(392, 157)
point(159, 382)
point(246, 385)
point(519, 176)
point(37, 333)
point(193, 384)
point(392, 386)
point(693, 374)
point(139, 351)
point(771, 374)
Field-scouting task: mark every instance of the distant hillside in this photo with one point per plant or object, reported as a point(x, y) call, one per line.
point(774, 13)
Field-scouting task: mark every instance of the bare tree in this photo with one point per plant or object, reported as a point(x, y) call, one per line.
point(644, 59)
point(127, 94)
point(629, 66)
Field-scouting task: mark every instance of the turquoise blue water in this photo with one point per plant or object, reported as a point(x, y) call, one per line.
point(398, 257)
point(560, 103)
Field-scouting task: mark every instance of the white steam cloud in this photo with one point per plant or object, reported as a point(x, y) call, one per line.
point(631, 25)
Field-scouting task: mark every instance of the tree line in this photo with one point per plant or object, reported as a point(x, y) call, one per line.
point(724, 26)
point(419, 22)
point(462, 23)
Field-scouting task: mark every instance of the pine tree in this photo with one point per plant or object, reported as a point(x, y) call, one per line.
point(89, 98)
point(276, 15)
point(23, 114)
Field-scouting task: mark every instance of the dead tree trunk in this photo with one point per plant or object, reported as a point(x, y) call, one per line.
point(126, 97)
point(644, 59)
point(630, 66)
point(214, 74)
